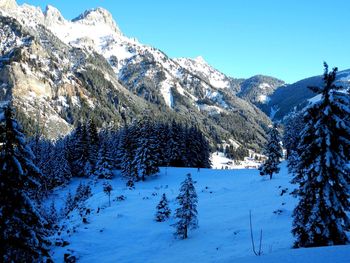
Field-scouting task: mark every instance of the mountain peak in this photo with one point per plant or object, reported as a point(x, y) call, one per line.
point(97, 16)
point(200, 60)
point(8, 4)
point(53, 15)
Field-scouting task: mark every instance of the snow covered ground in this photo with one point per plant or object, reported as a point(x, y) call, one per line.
point(219, 161)
point(127, 232)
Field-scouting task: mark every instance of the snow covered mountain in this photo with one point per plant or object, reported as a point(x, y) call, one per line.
point(60, 66)
point(202, 69)
point(288, 98)
point(257, 89)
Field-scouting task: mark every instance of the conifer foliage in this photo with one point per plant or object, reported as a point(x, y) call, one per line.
point(293, 126)
point(186, 214)
point(163, 210)
point(22, 231)
point(320, 218)
point(146, 145)
point(147, 152)
point(104, 168)
point(273, 151)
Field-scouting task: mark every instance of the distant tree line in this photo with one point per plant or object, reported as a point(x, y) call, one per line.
point(138, 150)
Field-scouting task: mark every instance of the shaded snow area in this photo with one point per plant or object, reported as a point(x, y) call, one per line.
point(315, 99)
point(127, 232)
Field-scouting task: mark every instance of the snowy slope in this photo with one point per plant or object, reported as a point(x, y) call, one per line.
point(200, 67)
point(126, 231)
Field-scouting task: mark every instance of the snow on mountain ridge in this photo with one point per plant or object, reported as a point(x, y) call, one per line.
point(8, 4)
point(144, 71)
point(119, 50)
point(53, 15)
point(98, 16)
point(203, 69)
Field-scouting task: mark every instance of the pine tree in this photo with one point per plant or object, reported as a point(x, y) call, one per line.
point(197, 149)
point(51, 214)
point(146, 154)
point(104, 168)
point(69, 204)
point(162, 131)
point(127, 150)
point(60, 169)
point(204, 149)
point(79, 152)
point(322, 173)
point(44, 154)
point(186, 214)
point(273, 151)
point(82, 193)
point(163, 210)
point(193, 148)
point(176, 146)
point(293, 127)
point(93, 144)
point(111, 140)
point(22, 229)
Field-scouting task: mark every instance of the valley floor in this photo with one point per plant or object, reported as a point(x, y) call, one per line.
point(127, 232)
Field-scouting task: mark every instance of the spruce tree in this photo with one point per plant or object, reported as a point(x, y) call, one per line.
point(186, 214)
point(197, 149)
point(22, 229)
point(163, 210)
point(292, 129)
point(104, 168)
point(82, 193)
point(127, 150)
point(69, 204)
point(273, 151)
point(204, 149)
point(176, 146)
point(163, 136)
point(60, 173)
point(146, 154)
point(322, 172)
point(79, 152)
point(51, 214)
point(93, 143)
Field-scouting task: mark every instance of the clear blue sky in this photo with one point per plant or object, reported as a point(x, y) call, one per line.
point(281, 38)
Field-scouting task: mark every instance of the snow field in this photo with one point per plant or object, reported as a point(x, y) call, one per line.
point(127, 232)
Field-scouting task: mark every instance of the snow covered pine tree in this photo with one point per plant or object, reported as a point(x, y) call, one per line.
point(22, 231)
point(292, 129)
point(186, 214)
point(146, 159)
point(273, 151)
point(103, 168)
point(320, 218)
point(163, 210)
